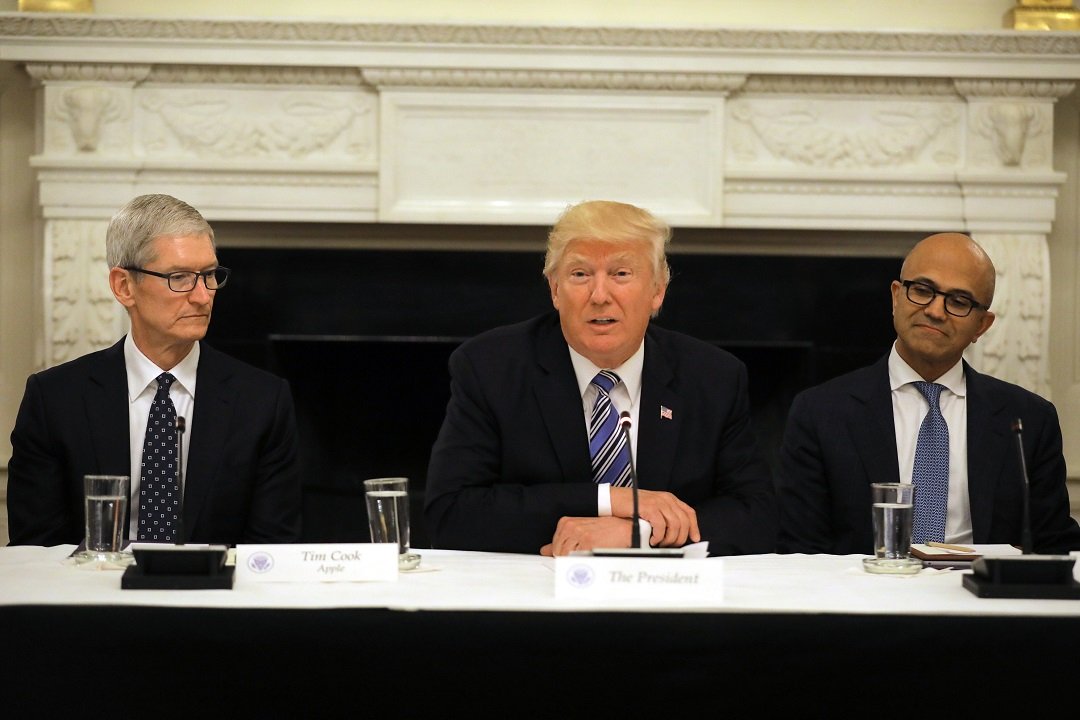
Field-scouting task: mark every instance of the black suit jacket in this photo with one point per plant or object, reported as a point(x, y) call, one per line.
point(840, 438)
point(512, 456)
point(242, 482)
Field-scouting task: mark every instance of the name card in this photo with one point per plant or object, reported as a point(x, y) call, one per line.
point(349, 562)
point(667, 581)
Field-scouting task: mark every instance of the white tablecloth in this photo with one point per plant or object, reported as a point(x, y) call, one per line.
point(449, 580)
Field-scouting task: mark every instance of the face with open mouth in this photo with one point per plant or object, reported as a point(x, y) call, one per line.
point(605, 293)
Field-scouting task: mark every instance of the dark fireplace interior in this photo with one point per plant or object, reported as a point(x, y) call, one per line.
point(363, 336)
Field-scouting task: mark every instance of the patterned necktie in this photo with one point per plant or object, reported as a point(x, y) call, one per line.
point(931, 473)
point(607, 443)
point(159, 489)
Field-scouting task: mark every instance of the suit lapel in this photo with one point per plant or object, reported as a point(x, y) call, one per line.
point(106, 407)
point(871, 426)
point(658, 435)
point(214, 406)
point(559, 400)
point(988, 442)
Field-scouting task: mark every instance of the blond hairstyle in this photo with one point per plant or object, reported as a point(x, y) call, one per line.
point(611, 222)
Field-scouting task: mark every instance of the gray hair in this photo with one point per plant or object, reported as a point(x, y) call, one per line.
point(133, 229)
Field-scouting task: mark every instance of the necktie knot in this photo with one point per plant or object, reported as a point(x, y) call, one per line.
point(606, 381)
point(164, 380)
point(930, 391)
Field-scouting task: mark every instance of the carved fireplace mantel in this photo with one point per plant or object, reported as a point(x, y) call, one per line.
point(288, 122)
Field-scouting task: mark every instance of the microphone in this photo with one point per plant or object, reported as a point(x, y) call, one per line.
point(179, 567)
point(1027, 575)
point(635, 529)
point(1026, 544)
point(636, 548)
point(181, 426)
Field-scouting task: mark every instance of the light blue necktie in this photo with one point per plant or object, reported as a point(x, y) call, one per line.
point(931, 473)
point(607, 444)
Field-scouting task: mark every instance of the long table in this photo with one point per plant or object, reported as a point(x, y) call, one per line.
point(483, 634)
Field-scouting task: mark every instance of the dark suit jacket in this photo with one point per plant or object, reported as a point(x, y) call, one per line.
point(512, 456)
point(242, 482)
point(840, 438)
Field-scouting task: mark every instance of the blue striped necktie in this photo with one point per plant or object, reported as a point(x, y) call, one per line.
point(931, 472)
point(159, 487)
point(607, 444)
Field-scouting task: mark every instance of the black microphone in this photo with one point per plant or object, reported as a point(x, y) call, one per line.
point(635, 530)
point(1026, 545)
point(181, 426)
point(1027, 575)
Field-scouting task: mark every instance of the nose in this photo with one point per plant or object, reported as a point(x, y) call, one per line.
point(936, 308)
point(600, 293)
point(200, 294)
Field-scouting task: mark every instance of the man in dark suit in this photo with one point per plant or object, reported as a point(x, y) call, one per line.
point(90, 415)
point(863, 427)
point(513, 469)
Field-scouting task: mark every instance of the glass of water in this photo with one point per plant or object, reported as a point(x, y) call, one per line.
point(106, 505)
point(892, 509)
point(388, 516)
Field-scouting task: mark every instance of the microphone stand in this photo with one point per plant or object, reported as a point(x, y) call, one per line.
point(1027, 575)
point(180, 566)
point(181, 426)
point(636, 548)
point(635, 529)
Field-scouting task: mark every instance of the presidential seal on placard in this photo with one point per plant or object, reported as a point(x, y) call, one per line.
point(580, 576)
point(260, 562)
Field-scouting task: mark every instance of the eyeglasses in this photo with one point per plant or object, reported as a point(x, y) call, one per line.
point(955, 304)
point(186, 280)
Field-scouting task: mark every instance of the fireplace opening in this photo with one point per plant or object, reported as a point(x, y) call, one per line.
point(364, 335)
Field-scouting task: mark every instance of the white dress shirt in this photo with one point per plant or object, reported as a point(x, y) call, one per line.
point(625, 396)
point(909, 409)
point(141, 376)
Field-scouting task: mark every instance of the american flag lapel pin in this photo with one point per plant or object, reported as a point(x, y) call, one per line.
point(665, 413)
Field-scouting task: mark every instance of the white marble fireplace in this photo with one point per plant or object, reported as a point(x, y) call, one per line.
point(335, 122)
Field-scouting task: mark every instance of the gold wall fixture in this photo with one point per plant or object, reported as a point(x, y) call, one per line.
point(67, 6)
point(1043, 15)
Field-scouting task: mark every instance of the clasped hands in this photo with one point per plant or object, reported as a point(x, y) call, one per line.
point(673, 524)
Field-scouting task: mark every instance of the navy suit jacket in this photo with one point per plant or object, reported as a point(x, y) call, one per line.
point(840, 438)
point(512, 456)
point(242, 482)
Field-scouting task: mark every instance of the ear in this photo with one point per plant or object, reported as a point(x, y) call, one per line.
point(984, 324)
point(897, 294)
point(658, 297)
point(553, 287)
point(122, 285)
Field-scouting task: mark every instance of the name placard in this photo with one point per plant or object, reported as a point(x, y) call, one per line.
point(323, 562)
point(670, 581)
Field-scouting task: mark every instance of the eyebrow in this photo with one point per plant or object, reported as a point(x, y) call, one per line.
point(955, 291)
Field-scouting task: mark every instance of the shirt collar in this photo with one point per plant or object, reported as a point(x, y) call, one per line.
point(900, 374)
point(629, 372)
point(141, 371)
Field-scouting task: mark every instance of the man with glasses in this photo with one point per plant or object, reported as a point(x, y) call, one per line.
point(159, 393)
point(921, 414)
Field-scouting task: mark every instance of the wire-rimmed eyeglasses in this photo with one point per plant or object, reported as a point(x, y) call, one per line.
point(956, 304)
point(185, 280)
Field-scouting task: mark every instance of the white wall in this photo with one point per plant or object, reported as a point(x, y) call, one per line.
point(832, 14)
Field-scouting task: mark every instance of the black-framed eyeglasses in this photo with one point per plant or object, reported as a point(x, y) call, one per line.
point(185, 280)
point(956, 304)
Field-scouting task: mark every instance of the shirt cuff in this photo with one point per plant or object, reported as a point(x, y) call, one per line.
point(645, 528)
point(603, 500)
